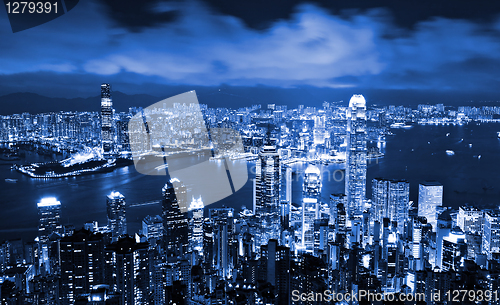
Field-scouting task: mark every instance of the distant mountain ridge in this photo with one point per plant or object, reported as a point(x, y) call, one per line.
point(35, 103)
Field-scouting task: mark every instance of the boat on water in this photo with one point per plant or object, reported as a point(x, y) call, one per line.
point(447, 134)
point(498, 134)
point(8, 180)
point(470, 144)
point(450, 152)
point(401, 125)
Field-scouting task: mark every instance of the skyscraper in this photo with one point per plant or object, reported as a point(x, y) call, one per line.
point(267, 199)
point(49, 211)
point(491, 234)
point(430, 196)
point(196, 225)
point(355, 184)
point(310, 206)
point(82, 264)
point(117, 222)
point(107, 130)
point(175, 225)
point(223, 251)
point(391, 199)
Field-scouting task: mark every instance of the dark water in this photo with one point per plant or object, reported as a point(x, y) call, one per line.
point(466, 179)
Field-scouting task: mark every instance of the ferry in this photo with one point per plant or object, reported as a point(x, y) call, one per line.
point(401, 125)
point(450, 152)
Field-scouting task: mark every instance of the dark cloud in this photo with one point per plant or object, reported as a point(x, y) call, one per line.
point(261, 14)
point(137, 15)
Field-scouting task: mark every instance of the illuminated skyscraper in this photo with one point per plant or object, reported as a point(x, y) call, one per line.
point(117, 221)
point(129, 261)
point(470, 219)
point(491, 234)
point(355, 184)
point(196, 225)
point(175, 224)
point(152, 227)
point(454, 250)
point(310, 206)
point(107, 130)
point(224, 246)
point(49, 211)
point(267, 199)
point(391, 199)
point(430, 196)
point(82, 264)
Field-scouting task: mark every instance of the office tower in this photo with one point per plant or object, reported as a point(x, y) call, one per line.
point(398, 203)
point(454, 250)
point(311, 195)
point(444, 226)
point(470, 219)
point(288, 184)
point(391, 199)
point(117, 222)
point(175, 225)
point(380, 193)
point(335, 200)
point(122, 138)
point(152, 227)
point(196, 225)
point(267, 198)
point(491, 234)
point(223, 244)
point(49, 212)
point(355, 184)
point(49, 231)
point(430, 196)
point(130, 267)
point(275, 261)
point(319, 131)
point(107, 130)
point(82, 264)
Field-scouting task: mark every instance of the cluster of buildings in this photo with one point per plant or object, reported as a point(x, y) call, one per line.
point(264, 255)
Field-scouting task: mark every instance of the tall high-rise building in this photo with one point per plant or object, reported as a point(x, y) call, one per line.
point(311, 195)
point(196, 225)
point(129, 262)
point(470, 219)
point(152, 227)
point(49, 211)
point(275, 261)
point(355, 184)
point(454, 250)
point(491, 234)
point(267, 199)
point(224, 245)
point(175, 224)
point(117, 221)
point(82, 264)
point(430, 196)
point(391, 199)
point(107, 130)
point(380, 193)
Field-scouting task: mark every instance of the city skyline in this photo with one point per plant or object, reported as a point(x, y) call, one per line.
point(209, 152)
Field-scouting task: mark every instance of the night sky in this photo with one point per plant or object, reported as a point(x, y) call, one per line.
point(394, 48)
